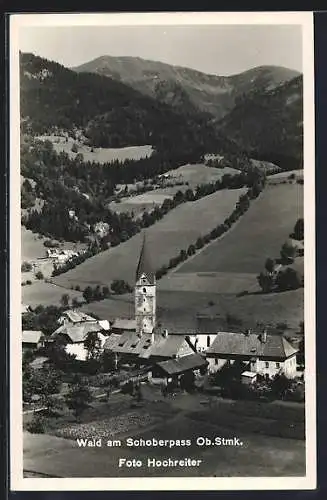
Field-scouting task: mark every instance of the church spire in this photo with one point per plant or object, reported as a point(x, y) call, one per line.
point(144, 265)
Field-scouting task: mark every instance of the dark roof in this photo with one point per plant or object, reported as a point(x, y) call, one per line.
point(183, 364)
point(165, 347)
point(124, 324)
point(77, 332)
point(144, 266)
point(147, 346)
point(228, 343)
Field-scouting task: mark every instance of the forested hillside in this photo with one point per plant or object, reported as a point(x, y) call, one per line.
point(269, 125)
point(107, 112)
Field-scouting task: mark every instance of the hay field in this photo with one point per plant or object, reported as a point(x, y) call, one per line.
point(190, 175)
point(31, 245)
point(46, 294)
point(176, 231)
point(99, 155)
point(259, 234)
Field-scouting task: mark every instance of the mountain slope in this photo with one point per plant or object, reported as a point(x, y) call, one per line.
point(210, 93)
point(108, 112)
point(269, 125)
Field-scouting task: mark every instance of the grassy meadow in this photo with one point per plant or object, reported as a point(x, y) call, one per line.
point(176, 231)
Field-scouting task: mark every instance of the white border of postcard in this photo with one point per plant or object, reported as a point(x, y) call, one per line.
point(178, 483)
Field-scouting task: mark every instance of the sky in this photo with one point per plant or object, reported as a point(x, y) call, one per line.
point(220, 49)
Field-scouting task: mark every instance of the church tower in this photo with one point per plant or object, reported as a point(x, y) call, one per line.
point(145, 293)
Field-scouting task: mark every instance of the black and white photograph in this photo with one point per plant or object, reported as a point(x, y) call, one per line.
point(162, 251)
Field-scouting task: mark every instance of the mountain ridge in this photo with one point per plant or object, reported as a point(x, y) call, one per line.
point(209, 93)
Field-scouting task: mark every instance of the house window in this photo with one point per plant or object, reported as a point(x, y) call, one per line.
point(277, 365)
point(216, 361)
point(208, 341)
point(267, 364)
point(144, 290)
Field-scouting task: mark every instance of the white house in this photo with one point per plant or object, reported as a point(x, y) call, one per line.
point(74, 329)
point(260, 353)
point(32, 339)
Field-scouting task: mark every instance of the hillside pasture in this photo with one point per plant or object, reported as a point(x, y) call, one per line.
point(46, 294)
point(199, 173)
point(209, 282)
point(32, 247)
point(259, 234)
point(176, 231)
point(187, 176)
point(97, 155)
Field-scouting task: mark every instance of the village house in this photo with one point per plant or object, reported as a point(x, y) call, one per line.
point(74, 329)
point(258, 353)
point(32, 339)
point(60, 256)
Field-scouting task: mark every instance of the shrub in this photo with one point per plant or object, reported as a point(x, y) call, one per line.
point(39, 275)
point(51, 244)
point(26, 267)
point(37, 425)
point(28, 282)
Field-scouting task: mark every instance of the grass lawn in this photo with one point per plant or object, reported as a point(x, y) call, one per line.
point(176, 231)
point(259, 234)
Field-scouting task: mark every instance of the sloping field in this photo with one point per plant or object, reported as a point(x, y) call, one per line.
point(199, 173)
point(190, 175)
point(46, 294)
point(176, 231)
point(209, 282)
point(32, 247)
point(284, 175)
point(177, 310)
point(259, 234)
point(99, 155)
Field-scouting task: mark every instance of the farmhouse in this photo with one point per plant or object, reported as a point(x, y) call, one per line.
point(32, 339)
point(74, 329)
point(263, 353)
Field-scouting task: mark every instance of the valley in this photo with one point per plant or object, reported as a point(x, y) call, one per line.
point(162, 255)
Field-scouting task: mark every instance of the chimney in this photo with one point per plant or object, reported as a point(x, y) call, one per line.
point(264, 336)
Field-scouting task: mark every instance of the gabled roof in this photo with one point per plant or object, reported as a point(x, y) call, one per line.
point(124, 324)
point(79, 332)
point(77, 316)
point(239, 344)
point(31, 336)
point(147, 346)
point(183, 364)
point(165, 347)
point(144, 266)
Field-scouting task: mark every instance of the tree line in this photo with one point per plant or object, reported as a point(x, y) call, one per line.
point(282, 278)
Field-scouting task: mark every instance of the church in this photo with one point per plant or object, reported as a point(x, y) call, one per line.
point(171, 354)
